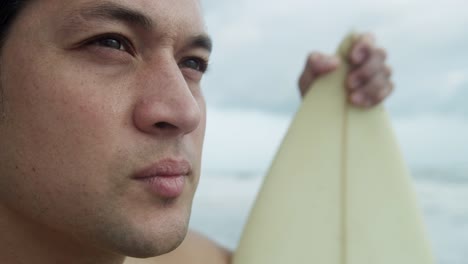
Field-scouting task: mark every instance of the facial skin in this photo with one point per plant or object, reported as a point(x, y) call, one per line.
point(92, 95)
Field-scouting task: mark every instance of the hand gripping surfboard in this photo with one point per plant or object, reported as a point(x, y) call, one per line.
point(338, 190)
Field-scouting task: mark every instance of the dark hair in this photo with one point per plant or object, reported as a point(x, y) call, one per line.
point(9, 9)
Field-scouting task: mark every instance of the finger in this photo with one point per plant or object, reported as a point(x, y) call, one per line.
point(317, 65)
point(373, 93)
point(359, 76)
point(388, 71)
point(380, 96)
point(361, 49)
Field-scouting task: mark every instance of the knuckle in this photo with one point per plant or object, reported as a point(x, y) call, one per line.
point(378, 89)
point(355, 80)
point(365, 74)
point(375, 88)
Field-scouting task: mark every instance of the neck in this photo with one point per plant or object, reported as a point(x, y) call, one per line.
point(25, 241)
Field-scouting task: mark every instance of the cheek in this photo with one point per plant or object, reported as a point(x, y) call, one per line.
point(57, 145)
point(58, 132)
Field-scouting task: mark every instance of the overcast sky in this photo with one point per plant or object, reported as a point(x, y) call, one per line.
point(261, 46)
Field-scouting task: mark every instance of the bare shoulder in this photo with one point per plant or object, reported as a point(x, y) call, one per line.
point(196, 249)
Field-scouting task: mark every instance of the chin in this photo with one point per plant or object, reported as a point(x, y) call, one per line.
point(144, 235)
point(157, 247)
point(149, 244)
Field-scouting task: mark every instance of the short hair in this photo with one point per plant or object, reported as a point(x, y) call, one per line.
point(9, 10)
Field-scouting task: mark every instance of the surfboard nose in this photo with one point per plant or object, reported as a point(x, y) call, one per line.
point(351, 201)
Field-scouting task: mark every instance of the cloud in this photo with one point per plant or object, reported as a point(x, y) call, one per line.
point(242, 140)
point(433, 141)
point(248, 140)
point(260, 47)
point(455, 81)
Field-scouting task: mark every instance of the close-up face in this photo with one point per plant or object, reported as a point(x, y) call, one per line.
point(103, 120)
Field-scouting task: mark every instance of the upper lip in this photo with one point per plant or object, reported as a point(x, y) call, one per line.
point(169, 167)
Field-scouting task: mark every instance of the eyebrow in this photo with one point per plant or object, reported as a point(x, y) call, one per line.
point(107, 10)
point(114, 11)
point(201, 41)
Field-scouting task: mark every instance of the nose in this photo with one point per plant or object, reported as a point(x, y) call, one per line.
point(167, 106)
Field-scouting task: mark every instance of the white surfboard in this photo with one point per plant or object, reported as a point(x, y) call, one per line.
point(338, 191)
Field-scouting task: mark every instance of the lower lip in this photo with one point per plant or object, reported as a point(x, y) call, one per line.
point(166, 187)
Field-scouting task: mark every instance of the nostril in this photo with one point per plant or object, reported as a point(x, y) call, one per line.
point(164, 125)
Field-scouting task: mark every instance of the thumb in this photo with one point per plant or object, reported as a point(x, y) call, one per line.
point(317, 65)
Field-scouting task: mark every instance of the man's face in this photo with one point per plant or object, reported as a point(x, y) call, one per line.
point(103, 111)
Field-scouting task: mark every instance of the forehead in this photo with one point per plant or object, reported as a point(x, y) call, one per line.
point(169, 15)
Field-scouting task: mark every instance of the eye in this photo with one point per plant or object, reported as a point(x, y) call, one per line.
point(194, 63)
point(111, 43)
point(116, 42)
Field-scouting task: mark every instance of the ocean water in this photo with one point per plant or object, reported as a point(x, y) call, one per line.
point(224, 199)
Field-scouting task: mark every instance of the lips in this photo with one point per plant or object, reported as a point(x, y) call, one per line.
point(165, 178)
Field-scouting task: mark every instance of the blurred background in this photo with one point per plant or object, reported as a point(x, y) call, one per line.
point(260, 49)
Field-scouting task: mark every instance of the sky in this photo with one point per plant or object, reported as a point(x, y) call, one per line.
point(260, 47)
